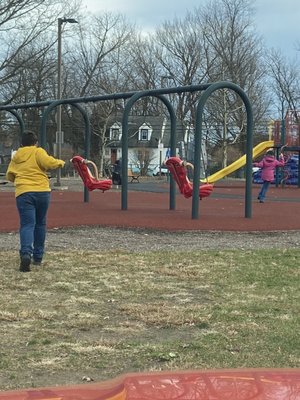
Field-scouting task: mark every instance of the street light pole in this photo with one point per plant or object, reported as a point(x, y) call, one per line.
point(60, 21)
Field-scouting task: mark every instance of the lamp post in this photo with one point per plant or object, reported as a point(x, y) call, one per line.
point(160, 149)
point(59, 68)
point(163, 78)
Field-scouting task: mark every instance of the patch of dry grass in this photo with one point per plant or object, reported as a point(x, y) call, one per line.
point(100, 315)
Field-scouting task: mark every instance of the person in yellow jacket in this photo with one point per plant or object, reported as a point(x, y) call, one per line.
point(27, 170)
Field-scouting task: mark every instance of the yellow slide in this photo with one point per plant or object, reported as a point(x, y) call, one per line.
point(257, 150)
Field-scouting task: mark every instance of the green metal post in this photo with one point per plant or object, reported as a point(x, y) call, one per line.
point(87, 143)
point(130, 103)
point(198, 143)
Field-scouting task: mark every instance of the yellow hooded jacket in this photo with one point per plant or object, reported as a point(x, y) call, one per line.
point(28, 167)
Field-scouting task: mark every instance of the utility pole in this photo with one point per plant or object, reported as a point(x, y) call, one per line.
point(59, 134)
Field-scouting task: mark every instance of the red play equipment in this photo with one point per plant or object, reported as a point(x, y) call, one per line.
point(90, 181)
point(178, 169)
point(247, 384)
point(291, 130)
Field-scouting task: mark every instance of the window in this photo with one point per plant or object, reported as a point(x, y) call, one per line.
point(145, 132)
point(115, 132)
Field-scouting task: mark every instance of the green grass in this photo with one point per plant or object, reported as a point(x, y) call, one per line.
point(102, 314)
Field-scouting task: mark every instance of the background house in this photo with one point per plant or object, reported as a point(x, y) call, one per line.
point(149, 142)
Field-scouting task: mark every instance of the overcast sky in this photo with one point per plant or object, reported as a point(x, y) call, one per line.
point(276, 20)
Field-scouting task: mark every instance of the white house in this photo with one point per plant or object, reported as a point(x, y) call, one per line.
point(149, 142)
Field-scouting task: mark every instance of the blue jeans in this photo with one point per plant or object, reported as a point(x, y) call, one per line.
point(263, 190)
point(33, 207)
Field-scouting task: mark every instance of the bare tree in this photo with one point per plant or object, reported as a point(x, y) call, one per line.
point(94, 56)
point(285, 78)
point(238, 57)
point(184, 59)
point(142, 158)
point(22, 23)
point(94, 67)
point(212, 43)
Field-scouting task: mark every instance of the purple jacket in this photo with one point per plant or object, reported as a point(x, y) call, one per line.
point(267, 165)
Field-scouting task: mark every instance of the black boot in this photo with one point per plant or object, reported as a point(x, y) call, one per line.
point(25, 263)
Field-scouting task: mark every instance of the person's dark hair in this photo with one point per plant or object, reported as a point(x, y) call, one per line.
point(29, 139)
point(270, 153)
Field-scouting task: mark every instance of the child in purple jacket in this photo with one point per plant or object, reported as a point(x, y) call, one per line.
point(268, 165)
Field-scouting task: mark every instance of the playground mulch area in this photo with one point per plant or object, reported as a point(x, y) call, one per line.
point(148, 208)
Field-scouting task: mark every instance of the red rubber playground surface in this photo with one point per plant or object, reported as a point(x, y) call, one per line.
point(148, 207)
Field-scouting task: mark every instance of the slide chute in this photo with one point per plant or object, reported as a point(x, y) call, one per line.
point(257, 150)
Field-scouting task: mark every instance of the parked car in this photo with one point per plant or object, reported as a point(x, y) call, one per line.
point(160, 171)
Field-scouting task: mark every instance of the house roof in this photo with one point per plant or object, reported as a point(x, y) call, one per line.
point(160, 126)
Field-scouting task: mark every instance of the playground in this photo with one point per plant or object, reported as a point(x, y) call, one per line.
point(225, 204)
point(144, 325)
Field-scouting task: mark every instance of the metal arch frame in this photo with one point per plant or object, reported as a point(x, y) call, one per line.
point(53, 105)
point(19, 118)
point(130, 103)
point(87, 136)
point(198, 144)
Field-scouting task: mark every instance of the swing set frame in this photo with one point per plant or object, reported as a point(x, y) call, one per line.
point(131, 98)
